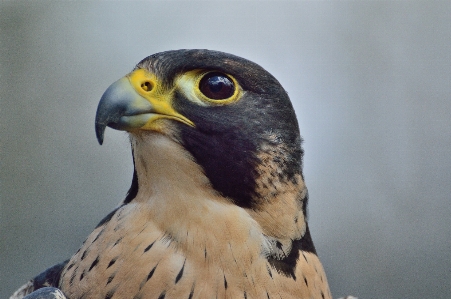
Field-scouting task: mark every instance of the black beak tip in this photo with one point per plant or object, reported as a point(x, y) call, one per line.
point(100, 131)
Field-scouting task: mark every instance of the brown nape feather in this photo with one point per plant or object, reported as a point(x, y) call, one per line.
point(281, 215)
point(280, 199)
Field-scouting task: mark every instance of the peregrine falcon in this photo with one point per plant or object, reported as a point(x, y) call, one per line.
point(217, 205)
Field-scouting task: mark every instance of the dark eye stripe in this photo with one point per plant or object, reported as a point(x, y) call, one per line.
point(217, 86)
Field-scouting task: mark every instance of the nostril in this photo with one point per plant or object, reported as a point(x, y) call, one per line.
point(146, 86)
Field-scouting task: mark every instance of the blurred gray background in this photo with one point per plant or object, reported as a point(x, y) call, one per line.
point(370, 81)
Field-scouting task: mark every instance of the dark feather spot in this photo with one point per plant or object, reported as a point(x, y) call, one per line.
point(118, 241)
point(225, 282)
point(110, 293)
point(110, 279)
point(142, 283)
point(305, 280)
point(108, 217)
point(84, 254)
point(70, 267)
point(267, 295)
point(162, 295)
point(269, 270)
point(180, 273)
point(82, 275)
point(148, 247)
point(137, 246)
point(111, 263)
point(94, 263)
point(287, 265)
point(138, 296)
point(191, 294)
point(151, 273)
point(72, 277)
point(322, 294)
point(98, 235)
point(245, 296)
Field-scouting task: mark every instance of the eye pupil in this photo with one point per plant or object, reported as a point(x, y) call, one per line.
point(217, 86)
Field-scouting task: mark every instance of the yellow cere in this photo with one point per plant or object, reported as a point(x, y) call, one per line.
point(147, 85)
point(188, 84)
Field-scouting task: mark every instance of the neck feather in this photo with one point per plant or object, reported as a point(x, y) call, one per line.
point(176, 196)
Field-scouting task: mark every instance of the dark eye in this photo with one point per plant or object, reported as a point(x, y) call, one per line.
point(216, 86)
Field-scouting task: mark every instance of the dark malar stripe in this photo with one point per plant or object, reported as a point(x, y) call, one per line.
point(133, 191)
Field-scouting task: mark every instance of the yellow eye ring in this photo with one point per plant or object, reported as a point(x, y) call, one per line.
point(217, 88)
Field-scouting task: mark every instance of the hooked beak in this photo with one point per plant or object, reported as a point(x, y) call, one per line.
point(131, 103)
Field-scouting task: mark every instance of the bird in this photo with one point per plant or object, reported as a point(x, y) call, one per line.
point(217, 206)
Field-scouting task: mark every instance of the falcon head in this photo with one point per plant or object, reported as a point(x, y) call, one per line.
point(217, 195)
point(232, 116)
